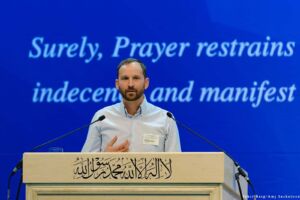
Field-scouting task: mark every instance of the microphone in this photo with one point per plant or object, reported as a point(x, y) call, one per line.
point(240, 170)
point(19, 165)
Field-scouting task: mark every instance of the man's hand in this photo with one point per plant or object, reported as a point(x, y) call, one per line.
point(124, 147)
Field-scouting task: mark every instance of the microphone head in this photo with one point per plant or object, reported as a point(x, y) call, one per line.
point(102, 117)
point(170, 115)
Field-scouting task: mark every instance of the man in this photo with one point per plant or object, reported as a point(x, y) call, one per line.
point(133, 125)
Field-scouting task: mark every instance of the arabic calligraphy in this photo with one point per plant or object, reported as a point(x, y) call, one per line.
point(122, 168)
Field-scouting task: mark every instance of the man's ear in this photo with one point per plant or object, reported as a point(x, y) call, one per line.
point(147, 82)
point(117, 84)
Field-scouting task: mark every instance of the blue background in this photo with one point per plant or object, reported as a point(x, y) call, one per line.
point(265, 140)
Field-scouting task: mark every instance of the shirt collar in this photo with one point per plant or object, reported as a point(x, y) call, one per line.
point(141, 110)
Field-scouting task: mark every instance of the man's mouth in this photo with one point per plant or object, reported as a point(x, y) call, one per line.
point(129, 91)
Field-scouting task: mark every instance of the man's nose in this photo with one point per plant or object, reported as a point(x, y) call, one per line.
point(130, 84)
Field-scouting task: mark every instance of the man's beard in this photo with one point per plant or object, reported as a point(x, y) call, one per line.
point(131, 94)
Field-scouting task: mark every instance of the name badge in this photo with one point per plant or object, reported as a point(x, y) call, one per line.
point(151, 139)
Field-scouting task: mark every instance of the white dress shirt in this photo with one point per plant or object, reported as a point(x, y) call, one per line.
point(149, 130)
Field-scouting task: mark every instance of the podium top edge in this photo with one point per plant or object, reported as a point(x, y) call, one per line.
point(127, 153)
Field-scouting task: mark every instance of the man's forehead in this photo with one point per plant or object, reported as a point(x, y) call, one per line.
point(133, 67)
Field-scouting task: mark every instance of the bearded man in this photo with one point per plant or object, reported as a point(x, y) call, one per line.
point(133, 125)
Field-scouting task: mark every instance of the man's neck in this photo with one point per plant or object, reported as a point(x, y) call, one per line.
point(133, 106)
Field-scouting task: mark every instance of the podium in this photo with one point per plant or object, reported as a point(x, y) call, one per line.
point(130, 176)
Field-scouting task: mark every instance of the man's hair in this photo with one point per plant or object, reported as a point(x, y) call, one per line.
point(131, 60)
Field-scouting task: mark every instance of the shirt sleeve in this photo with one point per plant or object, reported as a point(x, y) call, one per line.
point(172, 143)
point(93, 140)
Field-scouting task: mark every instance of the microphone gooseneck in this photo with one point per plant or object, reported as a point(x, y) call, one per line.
point(240, 170)
point(19, 165)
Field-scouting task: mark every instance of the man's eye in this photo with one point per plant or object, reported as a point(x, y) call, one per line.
point(124, 78)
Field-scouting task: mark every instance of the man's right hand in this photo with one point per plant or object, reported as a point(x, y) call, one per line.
point(124, 147)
